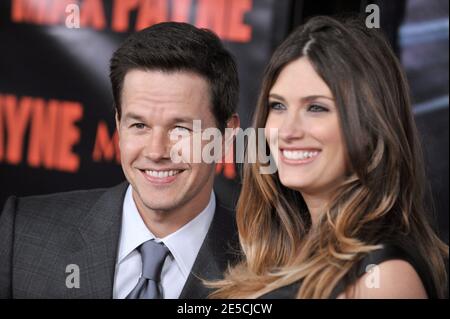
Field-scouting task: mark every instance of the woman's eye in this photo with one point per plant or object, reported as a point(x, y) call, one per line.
point(276, 106)
point(317, 108)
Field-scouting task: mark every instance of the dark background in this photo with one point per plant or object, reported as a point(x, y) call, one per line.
point(55, 62)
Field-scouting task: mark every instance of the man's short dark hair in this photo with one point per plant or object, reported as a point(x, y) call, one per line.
point(174, 46)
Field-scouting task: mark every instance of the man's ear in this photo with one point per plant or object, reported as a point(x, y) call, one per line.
point(233, 124)
point(117, 120)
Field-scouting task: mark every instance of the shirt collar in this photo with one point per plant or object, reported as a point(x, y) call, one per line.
point(183, 246)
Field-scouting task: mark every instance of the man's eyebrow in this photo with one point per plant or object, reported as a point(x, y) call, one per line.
point(133, 116)
point(183, 119)
point(138, 117)
point(303, 99)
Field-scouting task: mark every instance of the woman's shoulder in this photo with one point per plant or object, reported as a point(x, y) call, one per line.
point(394, 266)
point(394, 270)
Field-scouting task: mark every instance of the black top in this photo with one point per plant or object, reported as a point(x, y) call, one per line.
point(376, 257)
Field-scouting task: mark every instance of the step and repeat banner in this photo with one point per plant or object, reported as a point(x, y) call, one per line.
point(57, 129)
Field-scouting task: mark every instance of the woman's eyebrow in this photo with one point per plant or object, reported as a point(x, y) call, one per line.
point(302, 99)
point(276, 96)
point(315, 97)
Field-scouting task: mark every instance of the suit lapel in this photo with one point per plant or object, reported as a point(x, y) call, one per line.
point(218, 249)
point(97, 251)
point(100, 231)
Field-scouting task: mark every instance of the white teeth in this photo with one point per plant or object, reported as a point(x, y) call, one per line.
point(161, 174)
point(299, 155)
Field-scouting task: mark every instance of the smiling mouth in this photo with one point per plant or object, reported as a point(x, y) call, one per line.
point(299, 156)
point(161, 176)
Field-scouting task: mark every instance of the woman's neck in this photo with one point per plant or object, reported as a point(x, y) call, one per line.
point(316, 205)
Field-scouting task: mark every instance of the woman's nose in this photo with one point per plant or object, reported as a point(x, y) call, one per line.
point(291, 128)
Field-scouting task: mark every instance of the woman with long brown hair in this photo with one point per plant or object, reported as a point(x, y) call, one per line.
point(344, 215)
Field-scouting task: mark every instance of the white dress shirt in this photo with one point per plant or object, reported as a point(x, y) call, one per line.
point(184, 245)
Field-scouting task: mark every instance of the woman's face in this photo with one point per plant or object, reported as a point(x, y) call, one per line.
point(310, 154)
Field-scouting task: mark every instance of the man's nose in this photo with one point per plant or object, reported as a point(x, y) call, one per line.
point(157, 145)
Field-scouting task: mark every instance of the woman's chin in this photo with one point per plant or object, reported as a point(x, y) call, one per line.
point(291, 183)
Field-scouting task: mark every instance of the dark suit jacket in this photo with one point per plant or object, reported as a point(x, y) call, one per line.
point(41, 235)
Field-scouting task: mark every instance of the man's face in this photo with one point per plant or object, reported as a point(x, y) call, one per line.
point(155, 106)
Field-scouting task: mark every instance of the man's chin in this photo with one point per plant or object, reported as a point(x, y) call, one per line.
point(159, 206)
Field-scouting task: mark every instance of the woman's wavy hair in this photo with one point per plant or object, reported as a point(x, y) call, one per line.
point(382, 198)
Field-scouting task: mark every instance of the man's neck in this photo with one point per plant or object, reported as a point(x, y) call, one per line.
point(162, 223)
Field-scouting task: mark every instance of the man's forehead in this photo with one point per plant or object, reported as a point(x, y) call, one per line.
point(167, 114)
point(177, 78)
point(159, 113)
point(168, 97)
point(160, 87)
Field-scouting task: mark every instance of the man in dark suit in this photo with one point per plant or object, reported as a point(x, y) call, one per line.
point(102, 243)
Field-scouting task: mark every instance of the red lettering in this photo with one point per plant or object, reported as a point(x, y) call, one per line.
point(16, 122)
point(224, 17)
point(52, 132)
point(151, 12)
point(44, 126)
point(69, 135)
point(226, 165)
point(237, 31)
point(92, 14)
point(180, 11)
point(121, 14)
point(1, 128)
point(211, 15)
point(31, 11)
point(57, 11)
point(228, 169)
point(106, 147)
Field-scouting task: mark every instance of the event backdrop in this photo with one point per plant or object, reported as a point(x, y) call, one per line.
point(57, 130)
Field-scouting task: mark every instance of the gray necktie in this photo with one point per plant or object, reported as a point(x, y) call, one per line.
point(153, 255)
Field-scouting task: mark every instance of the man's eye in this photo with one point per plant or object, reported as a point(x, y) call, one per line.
point(276, 106)
point(139, 126)
point(180, 130)
point(317, 108)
